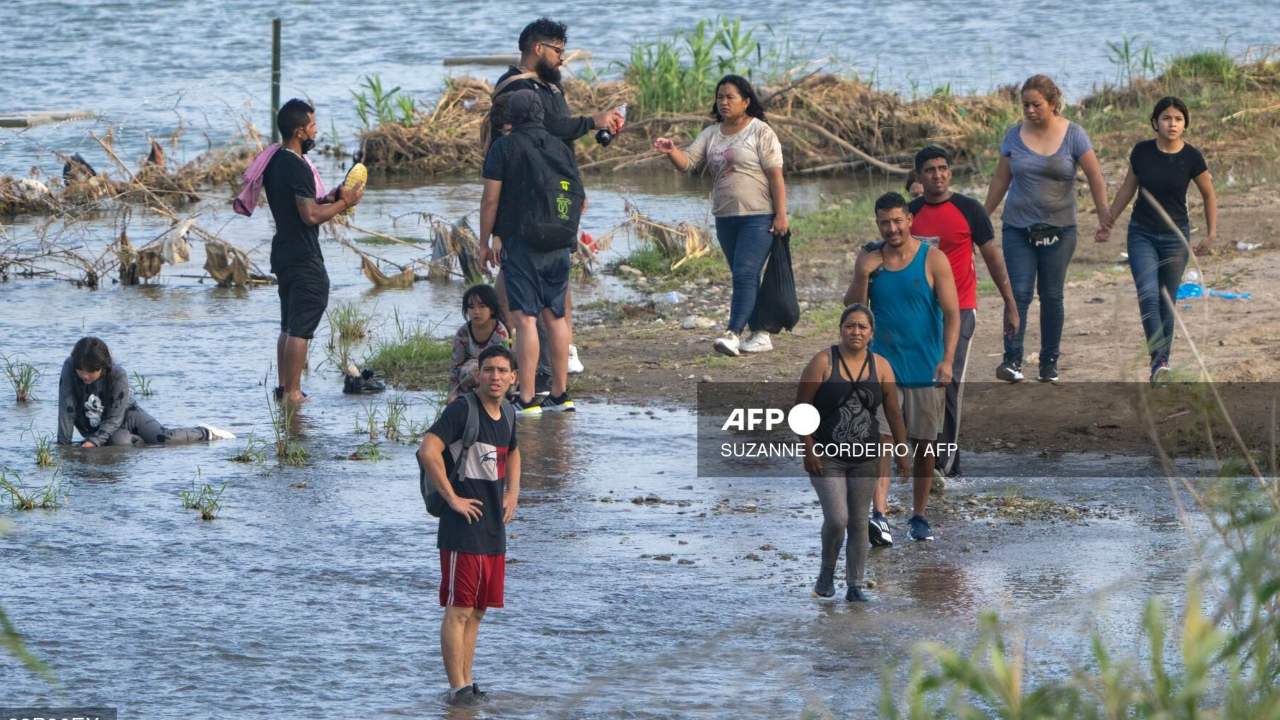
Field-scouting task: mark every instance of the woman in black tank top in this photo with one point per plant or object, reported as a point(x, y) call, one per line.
point(846, 384)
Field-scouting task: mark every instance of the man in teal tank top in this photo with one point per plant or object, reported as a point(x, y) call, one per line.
point(913, 294)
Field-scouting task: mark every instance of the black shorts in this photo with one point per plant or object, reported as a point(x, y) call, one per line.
point(535, 280)
point(304, 295)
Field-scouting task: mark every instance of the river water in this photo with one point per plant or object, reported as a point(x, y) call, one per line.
point(145, 67)
point(314, 591)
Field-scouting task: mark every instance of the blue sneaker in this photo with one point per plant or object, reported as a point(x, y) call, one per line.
point(919, 528)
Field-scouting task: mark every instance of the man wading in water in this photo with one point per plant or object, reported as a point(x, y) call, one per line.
point(479, 502)
point(290, 183)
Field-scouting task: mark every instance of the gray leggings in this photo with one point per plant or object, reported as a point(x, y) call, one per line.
point(139, 428)
point(845, 491)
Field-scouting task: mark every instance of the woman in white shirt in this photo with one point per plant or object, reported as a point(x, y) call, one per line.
point(748, 198)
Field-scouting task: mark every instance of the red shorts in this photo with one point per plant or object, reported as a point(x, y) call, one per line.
point(468, 580)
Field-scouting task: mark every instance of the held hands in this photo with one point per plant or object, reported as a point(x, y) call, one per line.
point(468, 508)
point(666, 146)
point(1103, 234)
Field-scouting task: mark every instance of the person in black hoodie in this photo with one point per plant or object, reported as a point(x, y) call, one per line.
point(94, 398)
point(536, 278)
point(542, 51)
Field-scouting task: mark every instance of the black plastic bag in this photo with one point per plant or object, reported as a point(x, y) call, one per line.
point(777, 308)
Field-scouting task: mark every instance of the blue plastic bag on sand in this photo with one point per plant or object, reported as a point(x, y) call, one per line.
point(1188, 290)
point(1229, 295)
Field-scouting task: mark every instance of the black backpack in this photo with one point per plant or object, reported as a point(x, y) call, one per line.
point(471, 431)
point(551, 194)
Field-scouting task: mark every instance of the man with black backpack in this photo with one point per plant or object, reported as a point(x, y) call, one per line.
point(542, 53)
point(470, 478)
point(529, 215)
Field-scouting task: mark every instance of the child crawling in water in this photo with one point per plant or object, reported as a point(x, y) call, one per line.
point(94, 398)
point(481, 330)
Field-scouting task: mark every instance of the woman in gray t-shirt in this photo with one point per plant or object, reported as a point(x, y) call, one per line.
point(1038, 161)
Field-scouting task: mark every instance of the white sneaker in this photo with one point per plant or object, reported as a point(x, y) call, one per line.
point(728, 345)
point(757, 342)
point(217, 433)
point(575, 365)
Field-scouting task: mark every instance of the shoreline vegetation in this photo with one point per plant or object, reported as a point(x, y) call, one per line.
point(829, 123)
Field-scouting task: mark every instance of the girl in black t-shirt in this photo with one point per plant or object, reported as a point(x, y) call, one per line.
point(1163, 168)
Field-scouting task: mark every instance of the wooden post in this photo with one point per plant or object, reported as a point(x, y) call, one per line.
point(275, 78)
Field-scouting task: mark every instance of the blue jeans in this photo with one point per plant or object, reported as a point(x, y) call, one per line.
point(1157, 260)
point(1030, 267)
point(746, 242)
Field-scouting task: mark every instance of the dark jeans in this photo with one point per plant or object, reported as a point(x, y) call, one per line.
point(746, 242)
point(947, 461)
point(1157, 260)
point(1042, 269)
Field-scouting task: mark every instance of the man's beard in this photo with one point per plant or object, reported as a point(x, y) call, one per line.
point(547, 72)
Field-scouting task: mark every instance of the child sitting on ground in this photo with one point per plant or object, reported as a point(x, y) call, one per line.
point(481, 330)
point(94, 398)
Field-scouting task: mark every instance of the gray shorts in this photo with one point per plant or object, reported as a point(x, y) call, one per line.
point(922, 411)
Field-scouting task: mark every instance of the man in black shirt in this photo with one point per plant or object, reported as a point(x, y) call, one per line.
point(290, 184)
point(480, 501)
point(542, 49)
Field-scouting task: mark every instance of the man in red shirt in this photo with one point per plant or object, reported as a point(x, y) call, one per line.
point(956, 224)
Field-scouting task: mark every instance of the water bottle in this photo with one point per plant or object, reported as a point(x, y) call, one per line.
point(603, 136)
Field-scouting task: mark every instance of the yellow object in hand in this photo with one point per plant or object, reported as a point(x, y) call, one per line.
point(356, 176)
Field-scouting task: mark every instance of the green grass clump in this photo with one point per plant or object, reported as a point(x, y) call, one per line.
point(50, 497)
point(376, 105)
point(142, 384)
point(1204, 66)
point(288, 451)
point(412, 358)
point(254, 451)
point(368, 451)
point(44, 450)
point(207, 501)
point(656, 266)
point(22, 376)
point(679, 73)
point(348, 326)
